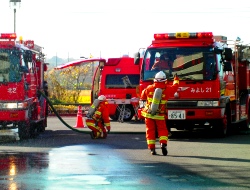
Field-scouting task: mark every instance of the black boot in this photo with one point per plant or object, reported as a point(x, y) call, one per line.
point(92, 135)
point(153, 151)
point(164, 149)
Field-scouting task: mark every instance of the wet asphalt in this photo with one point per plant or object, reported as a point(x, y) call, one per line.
point(60, 158)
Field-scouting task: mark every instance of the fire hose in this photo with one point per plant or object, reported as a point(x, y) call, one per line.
point(81, 131)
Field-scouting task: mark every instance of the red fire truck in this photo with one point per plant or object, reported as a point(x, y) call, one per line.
point(213, 80)
point(23, 111)
point(117, 79)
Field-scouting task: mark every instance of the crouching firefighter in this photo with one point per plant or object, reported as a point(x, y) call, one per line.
point(98, 118)
point(154, 112)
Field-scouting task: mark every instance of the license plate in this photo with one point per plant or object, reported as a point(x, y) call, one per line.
point(176, 114)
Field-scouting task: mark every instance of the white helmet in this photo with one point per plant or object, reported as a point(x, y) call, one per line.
point(102, 98)
point(160, 76)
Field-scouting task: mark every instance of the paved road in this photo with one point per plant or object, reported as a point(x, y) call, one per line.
point(63, 159)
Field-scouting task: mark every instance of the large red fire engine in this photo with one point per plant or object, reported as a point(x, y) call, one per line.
point(23, 111)
point(117, 79)
point(213, 79)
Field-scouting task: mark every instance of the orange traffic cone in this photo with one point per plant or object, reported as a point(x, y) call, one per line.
point(79, 121)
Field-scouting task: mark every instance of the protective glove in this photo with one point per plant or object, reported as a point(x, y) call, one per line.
point(107, 129)
point(88, 116)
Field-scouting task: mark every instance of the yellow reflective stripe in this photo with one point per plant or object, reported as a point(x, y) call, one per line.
point(98, 112)
point(163, 102)
point(156, 101)
point(94, 126)
point(98, 134)
point(151, 93)
point(92, 106)
point(150, 141)
point(150, 99)
point(90, 124)
point(107, 124)
point(147, 115)
point(163, 138)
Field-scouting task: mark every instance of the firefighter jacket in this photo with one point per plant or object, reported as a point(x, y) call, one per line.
point(102, 114)
point(147, 95)
point(161, 65)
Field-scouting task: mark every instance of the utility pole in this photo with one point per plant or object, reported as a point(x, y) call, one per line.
point(14, 4)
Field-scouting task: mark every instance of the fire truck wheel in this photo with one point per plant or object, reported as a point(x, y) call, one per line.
point(24, 130)
point(128, 114)
point(34, 130)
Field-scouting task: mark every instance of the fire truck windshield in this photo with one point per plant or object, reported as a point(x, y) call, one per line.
point(9, 66)
point(122, 80)
point(188, 63)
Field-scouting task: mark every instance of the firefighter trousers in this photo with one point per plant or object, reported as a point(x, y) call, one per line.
point(153, 125)
point(97, 127)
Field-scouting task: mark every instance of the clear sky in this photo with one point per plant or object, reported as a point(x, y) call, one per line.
point(111, 28)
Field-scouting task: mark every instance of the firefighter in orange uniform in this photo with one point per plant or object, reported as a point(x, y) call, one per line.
point(98, 121)
point(163, 64)
point(154, 112)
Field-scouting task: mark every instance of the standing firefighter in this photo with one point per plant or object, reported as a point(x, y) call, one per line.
point(98, 118)
point(154, 112)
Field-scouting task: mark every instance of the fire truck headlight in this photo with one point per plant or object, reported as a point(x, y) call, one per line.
point(142, 103)
point(10, 105)
point(208, 103)
point(22, 105)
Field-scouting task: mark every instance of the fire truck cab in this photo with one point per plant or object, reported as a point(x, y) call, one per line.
point(213, 79)
point(23, 111)
point(118, 80)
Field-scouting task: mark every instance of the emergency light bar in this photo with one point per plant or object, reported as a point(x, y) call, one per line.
point(185, 35)
point(10, 36)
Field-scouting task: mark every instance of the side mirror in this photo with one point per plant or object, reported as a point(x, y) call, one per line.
point(137, 58)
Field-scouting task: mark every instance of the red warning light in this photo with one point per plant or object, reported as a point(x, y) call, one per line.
point(10, 36)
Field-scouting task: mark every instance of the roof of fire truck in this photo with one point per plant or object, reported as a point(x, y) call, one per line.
point(9, 39)
point(78, 62)
point(182, 39)
point(109, 61)
point(192, 39)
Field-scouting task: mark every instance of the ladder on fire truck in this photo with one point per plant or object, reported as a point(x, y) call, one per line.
point(122, 108)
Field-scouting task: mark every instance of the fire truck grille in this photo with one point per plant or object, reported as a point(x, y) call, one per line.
point(181, 104)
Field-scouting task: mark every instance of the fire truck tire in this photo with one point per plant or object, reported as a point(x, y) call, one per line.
point(24, 130)
point(34, 130)
point(129, 113)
